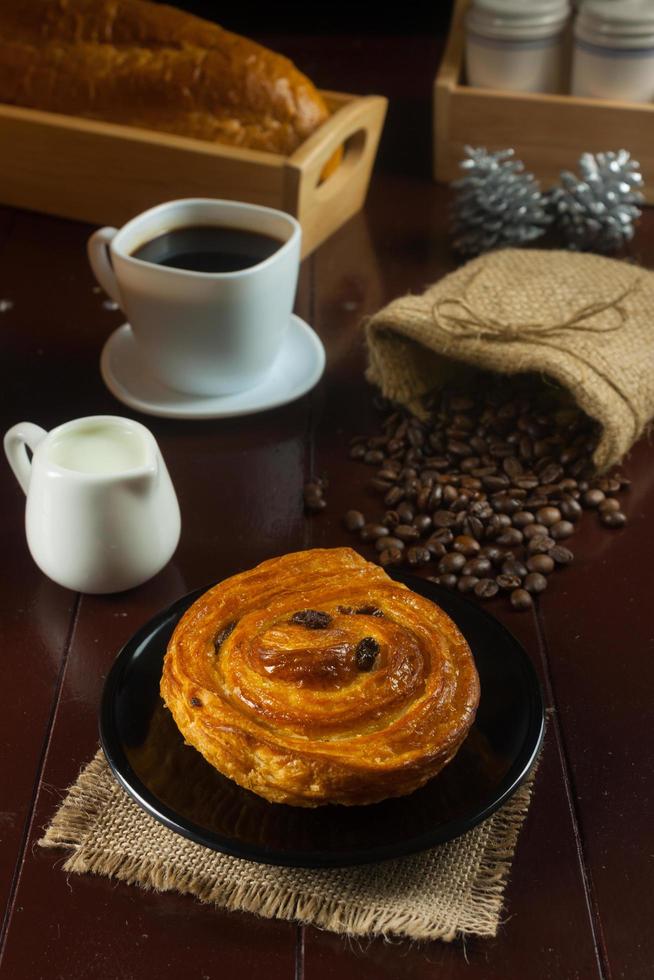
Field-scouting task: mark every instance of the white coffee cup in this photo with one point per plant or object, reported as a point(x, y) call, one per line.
point(101, 512)
point(202, 333)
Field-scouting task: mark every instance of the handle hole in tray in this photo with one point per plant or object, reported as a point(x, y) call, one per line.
point(353, 149)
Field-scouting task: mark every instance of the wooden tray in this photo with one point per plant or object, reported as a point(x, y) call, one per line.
point(105, 173)
point(548, 132)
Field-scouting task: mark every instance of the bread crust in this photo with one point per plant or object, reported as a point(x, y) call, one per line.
point(287, 706)
point(151, 65)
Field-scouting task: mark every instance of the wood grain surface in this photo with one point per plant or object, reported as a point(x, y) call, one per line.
point(578, 899)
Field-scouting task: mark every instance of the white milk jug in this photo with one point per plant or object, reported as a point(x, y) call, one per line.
point(101, 514)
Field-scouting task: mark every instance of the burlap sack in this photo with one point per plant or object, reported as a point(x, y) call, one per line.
point(585, 321)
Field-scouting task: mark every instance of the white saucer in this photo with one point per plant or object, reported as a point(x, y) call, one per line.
point(298, 367)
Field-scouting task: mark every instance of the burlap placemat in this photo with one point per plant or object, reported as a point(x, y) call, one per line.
point(454, 889)
point(583, 320)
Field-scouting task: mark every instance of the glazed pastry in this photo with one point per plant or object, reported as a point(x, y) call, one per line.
point(150, 65)
point(315, 678)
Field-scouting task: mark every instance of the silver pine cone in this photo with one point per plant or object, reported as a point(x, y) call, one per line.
point(597, 210)
point(497, 203)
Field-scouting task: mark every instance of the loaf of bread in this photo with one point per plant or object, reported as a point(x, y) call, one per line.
point(150, 65)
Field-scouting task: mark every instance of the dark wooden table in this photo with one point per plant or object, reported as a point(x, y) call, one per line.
point(579, 895)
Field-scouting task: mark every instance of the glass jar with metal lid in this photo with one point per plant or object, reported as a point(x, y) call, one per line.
point(516, 44)
point(614, 50)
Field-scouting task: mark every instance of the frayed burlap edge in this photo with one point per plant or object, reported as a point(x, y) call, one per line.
point(478, 915)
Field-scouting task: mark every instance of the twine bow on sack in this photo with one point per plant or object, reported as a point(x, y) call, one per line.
point(466, 323)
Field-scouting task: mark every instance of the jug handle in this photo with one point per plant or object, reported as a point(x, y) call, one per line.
point(16, 439)
point(97, 249)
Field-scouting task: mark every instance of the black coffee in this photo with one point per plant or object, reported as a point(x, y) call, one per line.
point(208, 248)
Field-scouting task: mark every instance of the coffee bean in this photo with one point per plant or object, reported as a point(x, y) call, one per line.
point(535, 582)
point(551, 473)
point(451, 563)
point(533, 531)
point(509, 505)
point(458, 448)
point(448, 580)
point(444, 535)
point(536, 501)
point(474, 527)
point(551, 491)
point(373, 457)
point(548, 516)
point(357, 452)
point(526, 448)
point(377, 483)
point(493, 553)
point(486, 588)
point(354, 520)
point(466, 545)
point(613, 518)
point(416, 437)
point(423, 522)
point(450, 493)
point(512, 467)
point(467, 583)
point(541, 563)
point(522, 518)
point(481, 509)
point(592, 498)
point(390, 556)
point(541, 543)
point(511, 566)
point(477, 566)
point(609, 505)
point(416, 555)
point(561, 530)
point(394, 496)
point(561, 555)
point(521, 600)
point(508, 582)
point(391, 519)
point(570, 509)
point(370, 532)
point(443, 518)
point(494, 483)
point(389, 542)
point(527, 482)
point(406, 532)
point(406, 512)
point(510, 538)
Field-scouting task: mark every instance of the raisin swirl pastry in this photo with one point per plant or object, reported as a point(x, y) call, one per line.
point(315, 678)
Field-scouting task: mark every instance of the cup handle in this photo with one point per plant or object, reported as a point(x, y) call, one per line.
point(16, 439)
point(97, 250)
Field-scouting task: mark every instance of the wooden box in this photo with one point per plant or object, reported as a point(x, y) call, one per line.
point(106, 173)
point(548, 132)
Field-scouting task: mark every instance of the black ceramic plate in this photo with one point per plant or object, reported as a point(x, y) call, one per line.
point(173, 782)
